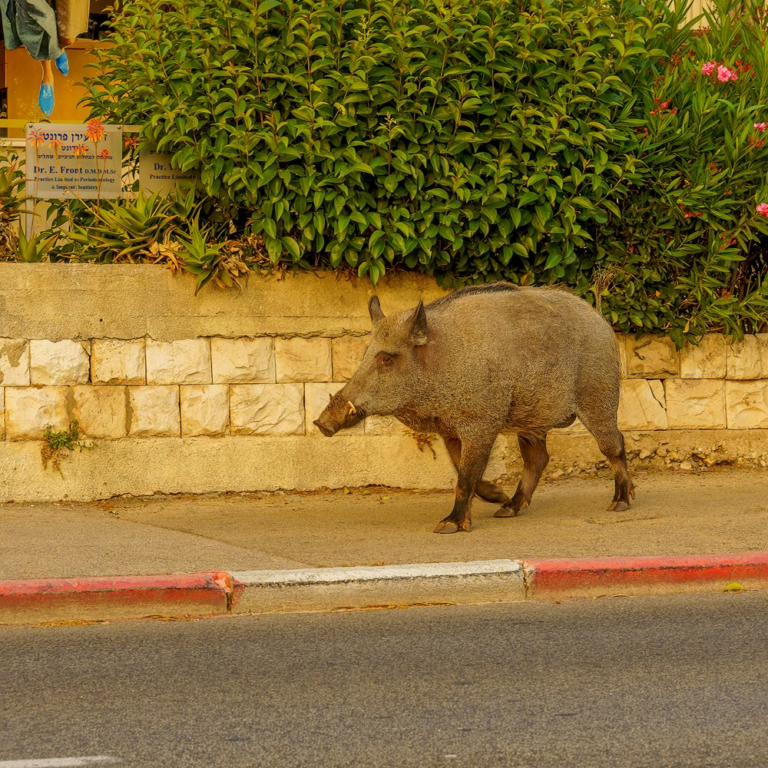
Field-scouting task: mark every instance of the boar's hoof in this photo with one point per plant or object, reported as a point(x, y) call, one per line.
point(511, 508)
point(620, 503)
point(452, 526)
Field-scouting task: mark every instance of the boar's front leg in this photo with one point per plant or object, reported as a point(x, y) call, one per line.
point(485, 489)
point(472, 464)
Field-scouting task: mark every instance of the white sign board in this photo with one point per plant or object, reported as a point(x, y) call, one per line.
point(156, 174)
point(74, 161)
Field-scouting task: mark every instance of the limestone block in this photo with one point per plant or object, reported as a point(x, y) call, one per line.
point(29, 410)
point(642, 405)
point(303, 360)
point(153, 412)
point(58, 362)
point(2, 413)
point(348, 351)
point(744, 359)
point(747, 404)
point(705, 360)
point(621, 342)
point(762, 341)
point(243, 361)
point(651, 357)
point(114, 361)
point(384, 425)
point(316, 397)
point(695, 403)
point(101, 411)
point(179, 362)
point(14, 363)
point(204, 410)
point(577, 428)
point(267, 409)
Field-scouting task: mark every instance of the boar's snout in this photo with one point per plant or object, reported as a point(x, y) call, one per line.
point(339, 414)
point(326, 427)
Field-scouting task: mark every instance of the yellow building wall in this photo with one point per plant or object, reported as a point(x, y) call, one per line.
point(21, 75)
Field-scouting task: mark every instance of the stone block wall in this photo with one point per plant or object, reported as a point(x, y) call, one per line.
point(219, 392)
point(205, 387)
point(265, 386)
point(715, 385)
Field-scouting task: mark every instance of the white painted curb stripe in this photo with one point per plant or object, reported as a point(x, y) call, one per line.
point(377, 573)
point(59, 762)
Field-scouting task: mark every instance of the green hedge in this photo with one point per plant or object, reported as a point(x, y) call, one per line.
point(576, 142)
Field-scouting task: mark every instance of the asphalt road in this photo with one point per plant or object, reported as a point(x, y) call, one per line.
point(658, 681)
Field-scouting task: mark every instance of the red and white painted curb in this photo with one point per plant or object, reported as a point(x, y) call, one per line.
point(215, 593)
point(33, 601)
point(634, 575)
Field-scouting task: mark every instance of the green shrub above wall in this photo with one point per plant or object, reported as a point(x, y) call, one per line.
point(576, 142)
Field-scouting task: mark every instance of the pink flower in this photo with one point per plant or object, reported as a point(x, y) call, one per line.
point(724, 74)
point(760, 127)
point(762, 210)
point(709, 68)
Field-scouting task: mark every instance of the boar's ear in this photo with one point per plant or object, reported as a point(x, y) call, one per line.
point(374, 309)
point(418, 332)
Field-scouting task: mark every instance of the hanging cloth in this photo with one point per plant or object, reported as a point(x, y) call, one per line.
point(31, 24)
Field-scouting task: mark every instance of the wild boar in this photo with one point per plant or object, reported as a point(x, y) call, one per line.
point(485, 360)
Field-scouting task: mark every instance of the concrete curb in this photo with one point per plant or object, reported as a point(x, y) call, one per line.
point(380, 586)
point(34, 601)
point(40, 601)
point(644, 575)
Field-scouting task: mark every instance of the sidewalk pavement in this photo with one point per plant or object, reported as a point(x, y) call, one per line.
point(674, 513)
point(718, 511)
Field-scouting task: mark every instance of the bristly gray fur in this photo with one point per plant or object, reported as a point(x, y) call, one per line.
point(472, 290)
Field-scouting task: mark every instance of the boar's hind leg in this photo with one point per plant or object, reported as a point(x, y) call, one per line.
point(474, 458)
point(535, 460)
point(624, 489)
point(611, 444)
point(486, 490)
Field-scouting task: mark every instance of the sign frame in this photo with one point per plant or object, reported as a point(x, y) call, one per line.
point(68, 161)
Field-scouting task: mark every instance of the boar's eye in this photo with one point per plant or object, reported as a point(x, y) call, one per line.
point(384, 360)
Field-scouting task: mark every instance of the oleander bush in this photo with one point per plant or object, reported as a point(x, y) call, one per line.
point(602, 145)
